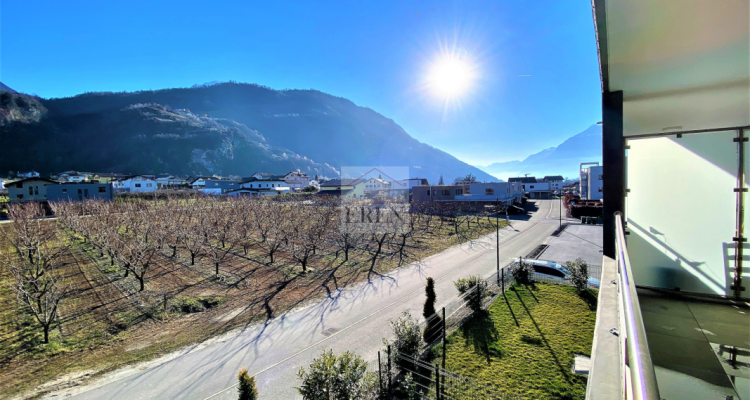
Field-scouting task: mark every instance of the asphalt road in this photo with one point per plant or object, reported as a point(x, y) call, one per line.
point(354, 319)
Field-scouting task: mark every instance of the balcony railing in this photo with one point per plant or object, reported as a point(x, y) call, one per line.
point(638, 377)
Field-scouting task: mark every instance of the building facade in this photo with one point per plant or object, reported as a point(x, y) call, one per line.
point(77, 191)
point(135, 184)
point(29, 189)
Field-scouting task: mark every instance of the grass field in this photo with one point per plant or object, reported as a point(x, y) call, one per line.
point(106, 323)
point(525, 344)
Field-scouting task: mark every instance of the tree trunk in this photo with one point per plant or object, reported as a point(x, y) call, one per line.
point(346, 253)
point(46, 333)
point(192, 259)
point(174, 251)
point(141, 280)
point(217, 268)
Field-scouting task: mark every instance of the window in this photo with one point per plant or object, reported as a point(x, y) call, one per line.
point(489, 191)
point(65, 190)
point(102, 189)
point(137, 185)
point(600, 189)
point(272, 185)
point(548, 271)
point(434, 192)
point(446, 192)
point(19, 185)
point(148, 185)
point(459, 191)
point(531, 187)
point(79, 191)
point(31, 190)
point(20, 196)
point(36, 190)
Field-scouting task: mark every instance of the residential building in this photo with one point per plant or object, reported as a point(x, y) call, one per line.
point(265, 176)
point(352, 188)
point(254, 183)
point(197, 182)
point(538, 190)
point(28, 174)
point(296, 180)
point(170, 181)
point(29, 189)
point(555, 182)
point(106, 177)
point(219, 186)
point(583, 187)
point(376, 184)
point(675, 124)
point(77, 177)
point(476, 193)
point(595, 182)
point(524, 180)
point(135, 184)
point(75, 191)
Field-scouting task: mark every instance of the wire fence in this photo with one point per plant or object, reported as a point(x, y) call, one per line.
point(423, 375)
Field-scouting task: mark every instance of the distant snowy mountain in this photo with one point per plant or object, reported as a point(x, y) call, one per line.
point(561, 160)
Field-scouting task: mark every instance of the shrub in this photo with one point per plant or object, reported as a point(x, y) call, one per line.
point(476, 288)
point(579, 273)
point(408, 338)
point(522, 273)
point(333, 377)
point(246, 388)
point(434, 322)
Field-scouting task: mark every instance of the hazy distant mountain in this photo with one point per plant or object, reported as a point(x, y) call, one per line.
point(228, 129)
point(564, 159)
point(4, 88)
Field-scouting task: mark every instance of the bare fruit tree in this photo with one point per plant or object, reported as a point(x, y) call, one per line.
point(38, 279)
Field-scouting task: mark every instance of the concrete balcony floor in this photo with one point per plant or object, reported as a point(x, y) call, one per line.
point(700, 348)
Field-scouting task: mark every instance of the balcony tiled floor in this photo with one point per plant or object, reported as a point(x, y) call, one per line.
point(684, 336)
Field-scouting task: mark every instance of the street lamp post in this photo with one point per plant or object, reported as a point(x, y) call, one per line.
point(497, 235)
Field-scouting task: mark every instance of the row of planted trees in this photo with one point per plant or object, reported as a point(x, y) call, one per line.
point(133, 234)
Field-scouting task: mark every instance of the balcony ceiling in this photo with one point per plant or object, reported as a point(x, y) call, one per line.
point(681, 64)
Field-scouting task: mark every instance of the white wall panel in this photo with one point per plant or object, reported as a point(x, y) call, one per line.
point(681, 211)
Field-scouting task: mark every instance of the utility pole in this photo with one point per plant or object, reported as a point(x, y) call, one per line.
point(497, 236)
point(560, 209)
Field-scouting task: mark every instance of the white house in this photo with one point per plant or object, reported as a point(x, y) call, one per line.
point(555, 182)
point(375, 184)
point(77, 178)
point(539, 190)
point(170, 181)
point(277, 184)
point(29, 174)
point(297, 180)
point(133, 184)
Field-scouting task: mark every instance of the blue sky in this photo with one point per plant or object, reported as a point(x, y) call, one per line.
point(375, 53)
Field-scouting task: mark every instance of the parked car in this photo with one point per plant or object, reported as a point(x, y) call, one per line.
point(555, 270)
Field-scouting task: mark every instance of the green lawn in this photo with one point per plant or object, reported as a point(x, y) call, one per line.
point(525, 344)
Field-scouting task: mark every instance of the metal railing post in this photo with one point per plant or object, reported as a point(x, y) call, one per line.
point(380, 377)
point(437, 382)
point(389, 368)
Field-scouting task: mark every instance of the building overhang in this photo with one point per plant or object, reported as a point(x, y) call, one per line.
point(682, 66)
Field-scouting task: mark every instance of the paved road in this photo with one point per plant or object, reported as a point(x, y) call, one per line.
point(353, 319)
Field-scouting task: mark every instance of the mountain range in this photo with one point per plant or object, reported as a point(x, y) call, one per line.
point(564, 159)
point(216, 128)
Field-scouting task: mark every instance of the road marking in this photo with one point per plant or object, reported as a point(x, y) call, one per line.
point(372, 314)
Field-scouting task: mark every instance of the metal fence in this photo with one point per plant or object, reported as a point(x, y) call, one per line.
point(404, 377)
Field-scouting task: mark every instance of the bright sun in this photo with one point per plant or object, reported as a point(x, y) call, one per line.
point(450, 77)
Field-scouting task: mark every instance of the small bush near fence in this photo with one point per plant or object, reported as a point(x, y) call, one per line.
point(341, 377)
point(522, 273)
point(476, 288)
point(579, 273)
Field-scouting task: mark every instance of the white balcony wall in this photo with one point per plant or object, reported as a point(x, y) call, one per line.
point(681, 211)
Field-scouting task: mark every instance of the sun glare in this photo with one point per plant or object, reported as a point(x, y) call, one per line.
point(450, 77)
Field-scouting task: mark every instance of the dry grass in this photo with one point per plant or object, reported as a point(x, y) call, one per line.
point(106, 323)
